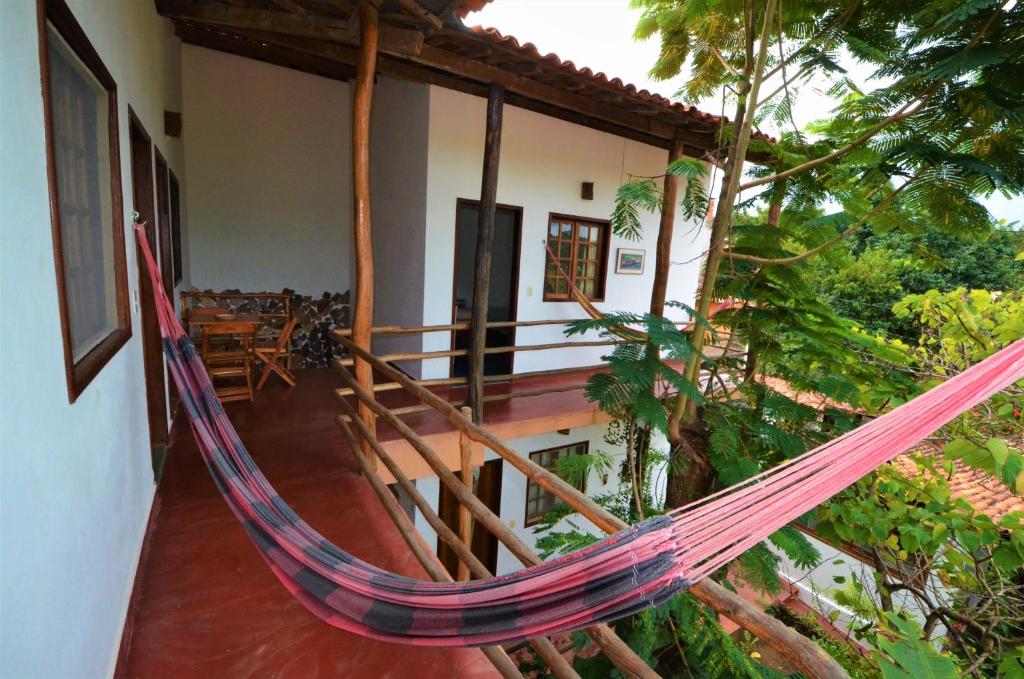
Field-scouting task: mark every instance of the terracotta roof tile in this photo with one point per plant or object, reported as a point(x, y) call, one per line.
point(807, 398)
point(602, 79)
point(986, 493)
point(469, 6)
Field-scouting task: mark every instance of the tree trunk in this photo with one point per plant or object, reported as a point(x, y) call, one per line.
point(696, 477)
point(684, 415)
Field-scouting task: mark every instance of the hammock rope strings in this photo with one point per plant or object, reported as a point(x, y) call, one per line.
point(626, 572)
point(616, 577)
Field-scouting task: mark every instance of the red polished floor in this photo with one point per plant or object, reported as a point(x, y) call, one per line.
point(495, 412)
point(209, 607)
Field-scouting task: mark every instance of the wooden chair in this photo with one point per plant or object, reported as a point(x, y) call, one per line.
point(271, 354)
point(228, 354)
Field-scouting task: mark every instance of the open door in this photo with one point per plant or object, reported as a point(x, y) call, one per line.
point(152, 355)
point(504, 283)
point(484, 545)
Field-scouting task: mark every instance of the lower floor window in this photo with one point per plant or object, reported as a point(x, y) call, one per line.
point(538, 500)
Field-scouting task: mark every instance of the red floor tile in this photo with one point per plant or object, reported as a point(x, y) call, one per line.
point(209, 607)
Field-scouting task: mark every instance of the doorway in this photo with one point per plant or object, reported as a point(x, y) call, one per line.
point(504, 283)
point(152, 355)
point(483, 545)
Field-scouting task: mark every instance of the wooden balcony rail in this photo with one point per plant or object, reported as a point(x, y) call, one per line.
point(451, 327)
point(543, 646)
point(617, 651)
point(488, 379)
point(448, 353)
point(801, 652)
point(340, 333)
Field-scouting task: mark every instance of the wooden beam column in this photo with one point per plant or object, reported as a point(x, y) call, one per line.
point(466, 472)
point(663, 255)
point(362, 319)
point(484, 244)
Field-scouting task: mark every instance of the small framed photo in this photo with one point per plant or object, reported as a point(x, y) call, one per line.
point(630, 261)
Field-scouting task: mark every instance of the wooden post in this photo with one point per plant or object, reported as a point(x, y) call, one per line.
point(362, 320)
point(465, 518)
point(542, 645)
point(484, 243)
point(663, 255)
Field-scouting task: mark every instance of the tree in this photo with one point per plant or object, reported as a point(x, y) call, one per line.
point(944, 132)
point(876, 270)
point(959, 570)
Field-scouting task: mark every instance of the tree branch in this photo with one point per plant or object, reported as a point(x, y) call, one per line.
point(905, 111)
point(721, 59)
point(720, 226)
point(841, 19)
point(765, 261)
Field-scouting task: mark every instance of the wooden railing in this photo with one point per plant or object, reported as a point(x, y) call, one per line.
point(802, 653)
point(616, 650)
point(342, 334)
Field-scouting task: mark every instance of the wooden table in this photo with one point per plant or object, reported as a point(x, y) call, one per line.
point(201, 320)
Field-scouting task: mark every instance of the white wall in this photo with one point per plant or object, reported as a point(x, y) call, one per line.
point(543, 162)
point(270, 176)
point(75, 479)
point(513, 487)
point(398, 189)
point(837, 570)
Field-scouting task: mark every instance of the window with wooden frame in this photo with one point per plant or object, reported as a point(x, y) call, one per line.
point(83, 167)
point(539, 501)
point(581, 248)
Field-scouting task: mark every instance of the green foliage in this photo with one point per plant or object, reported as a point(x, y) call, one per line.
point(637, 372)
point(916, 527)
point(679, 638)
point(909, 657)
point(907, 164)
point(646, 194)
point(851, 660)
point(865, 278)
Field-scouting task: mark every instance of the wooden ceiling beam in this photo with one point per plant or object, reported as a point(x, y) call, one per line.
point(290, 6)
point(344, 5)
point(420, 12)
point(269, 53)
point(523, 68)
point(396, 40)
point(345, 56)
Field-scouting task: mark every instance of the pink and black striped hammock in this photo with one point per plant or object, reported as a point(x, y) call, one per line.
point(625, 573)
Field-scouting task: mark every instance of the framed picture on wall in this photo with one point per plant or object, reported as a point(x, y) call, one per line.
point(630, 261)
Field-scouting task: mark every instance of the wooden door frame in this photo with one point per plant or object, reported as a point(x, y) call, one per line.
point(446, 501)
point(149, 331)
point(163, 221)
point(517, 261)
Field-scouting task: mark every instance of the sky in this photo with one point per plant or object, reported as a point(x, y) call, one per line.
point(599, 34)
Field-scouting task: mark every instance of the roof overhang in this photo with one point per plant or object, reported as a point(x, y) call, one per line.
point(433, 46)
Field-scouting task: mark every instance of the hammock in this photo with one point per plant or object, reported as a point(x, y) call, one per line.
point(625, 573)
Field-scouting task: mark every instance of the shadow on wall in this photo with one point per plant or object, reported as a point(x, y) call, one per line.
point(312, 347)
